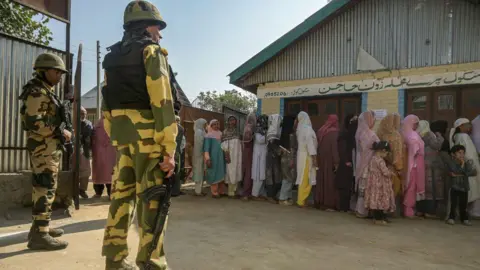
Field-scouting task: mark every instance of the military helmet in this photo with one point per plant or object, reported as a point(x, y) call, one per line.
point(49, 61)
point(141, 10)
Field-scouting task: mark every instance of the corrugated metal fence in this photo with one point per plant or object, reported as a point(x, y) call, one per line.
point(16, 62)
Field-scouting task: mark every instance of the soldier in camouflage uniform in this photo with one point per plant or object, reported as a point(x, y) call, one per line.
point(41, 119)
point(139, 118)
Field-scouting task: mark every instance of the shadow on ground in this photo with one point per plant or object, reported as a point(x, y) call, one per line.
point(21, 237)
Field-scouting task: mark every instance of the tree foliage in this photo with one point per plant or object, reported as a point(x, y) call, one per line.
point(19, 21)
point(213, 101)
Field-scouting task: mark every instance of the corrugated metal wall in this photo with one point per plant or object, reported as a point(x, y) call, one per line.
point(16, 62)
point(398, 33)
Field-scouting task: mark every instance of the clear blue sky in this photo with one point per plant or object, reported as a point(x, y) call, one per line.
point(206, 39)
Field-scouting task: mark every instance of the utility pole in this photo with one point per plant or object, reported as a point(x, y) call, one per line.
point(98, 82)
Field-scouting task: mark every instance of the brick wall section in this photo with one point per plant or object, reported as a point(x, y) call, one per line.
point(271, 106)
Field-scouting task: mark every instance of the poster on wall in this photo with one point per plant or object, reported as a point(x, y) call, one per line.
point(380, 114)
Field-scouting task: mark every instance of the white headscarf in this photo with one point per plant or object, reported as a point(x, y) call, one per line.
point(459, 122)
point(476, 132)
point(423, 128)
point(274, 127)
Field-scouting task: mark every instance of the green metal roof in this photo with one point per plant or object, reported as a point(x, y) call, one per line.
point(287, 39)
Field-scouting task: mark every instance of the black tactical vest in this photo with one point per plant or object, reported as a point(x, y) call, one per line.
point(126, 86)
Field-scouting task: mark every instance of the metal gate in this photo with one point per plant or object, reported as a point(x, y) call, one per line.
point(17, 57)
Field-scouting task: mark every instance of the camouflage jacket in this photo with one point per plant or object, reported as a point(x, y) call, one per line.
point(40, 112)
point(157, 125)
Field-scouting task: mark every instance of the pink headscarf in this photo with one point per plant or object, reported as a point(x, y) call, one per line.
point(416, 150)
point(331, 125)
point(409, 133)
point(216, 134)
point(365, 137)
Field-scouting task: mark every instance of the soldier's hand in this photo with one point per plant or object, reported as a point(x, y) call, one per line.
point(168, 165)
point(67, 134)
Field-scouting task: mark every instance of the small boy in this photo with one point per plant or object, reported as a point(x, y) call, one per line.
point(459, 170)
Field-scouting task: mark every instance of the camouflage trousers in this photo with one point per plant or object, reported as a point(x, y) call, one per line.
point(45, 160)
point(137, 169)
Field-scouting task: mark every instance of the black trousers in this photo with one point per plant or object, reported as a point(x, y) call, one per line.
point(344, 197)
point(460, 199)
point(100, 187)
point(272, 190)
point(379, 215)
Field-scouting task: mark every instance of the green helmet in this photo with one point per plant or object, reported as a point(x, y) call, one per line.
point(141, 10)
point(48, 61)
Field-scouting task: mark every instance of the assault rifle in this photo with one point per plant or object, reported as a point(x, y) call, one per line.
point(160, 193)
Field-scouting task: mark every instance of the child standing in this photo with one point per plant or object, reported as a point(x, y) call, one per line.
point(379, 195)
point(459, 170)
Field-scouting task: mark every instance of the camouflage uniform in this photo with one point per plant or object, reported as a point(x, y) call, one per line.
point(41, 120)
point(142, 137)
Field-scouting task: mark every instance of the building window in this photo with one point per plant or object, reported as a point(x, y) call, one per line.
point(312, 109)
point(445, 102)
point(419, 103)
point(331, 107)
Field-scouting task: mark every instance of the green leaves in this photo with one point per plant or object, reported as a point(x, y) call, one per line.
point(213, 101)
point(21, 22)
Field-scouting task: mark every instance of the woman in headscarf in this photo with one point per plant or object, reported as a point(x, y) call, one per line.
point(364, 138)
point(326, 196)
point(248, 136)
point(344, 177)
point(440, 127)
point(288, 141)
point(103, 161)
point(414, 187)
point(459, 135)
point(306, 157)
point(389, 131)
point(475, 210)
point(434, 184)
point(273, 181)
point(215, 159)
point(198, 176)
point(476, 132)
point(232, 147)
point(259, 157)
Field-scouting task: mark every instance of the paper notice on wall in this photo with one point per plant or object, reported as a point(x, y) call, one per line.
point(380, 114)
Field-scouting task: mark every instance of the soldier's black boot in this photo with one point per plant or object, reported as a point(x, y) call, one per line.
point(119, 265)
point(53, 232)
point(43, 241)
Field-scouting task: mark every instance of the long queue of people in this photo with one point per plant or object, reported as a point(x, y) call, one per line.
point(407, 164)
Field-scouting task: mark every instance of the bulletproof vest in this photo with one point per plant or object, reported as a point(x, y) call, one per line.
point(125, 71)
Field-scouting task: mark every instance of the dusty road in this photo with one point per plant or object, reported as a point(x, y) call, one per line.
point(208, 234)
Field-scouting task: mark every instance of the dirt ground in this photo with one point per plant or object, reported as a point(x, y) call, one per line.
point(209, 234)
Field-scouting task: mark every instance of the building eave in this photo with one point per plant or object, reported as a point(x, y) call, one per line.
point(287, 39)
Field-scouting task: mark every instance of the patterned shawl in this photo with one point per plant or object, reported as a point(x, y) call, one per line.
point(230, 133)
point(262, 124)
